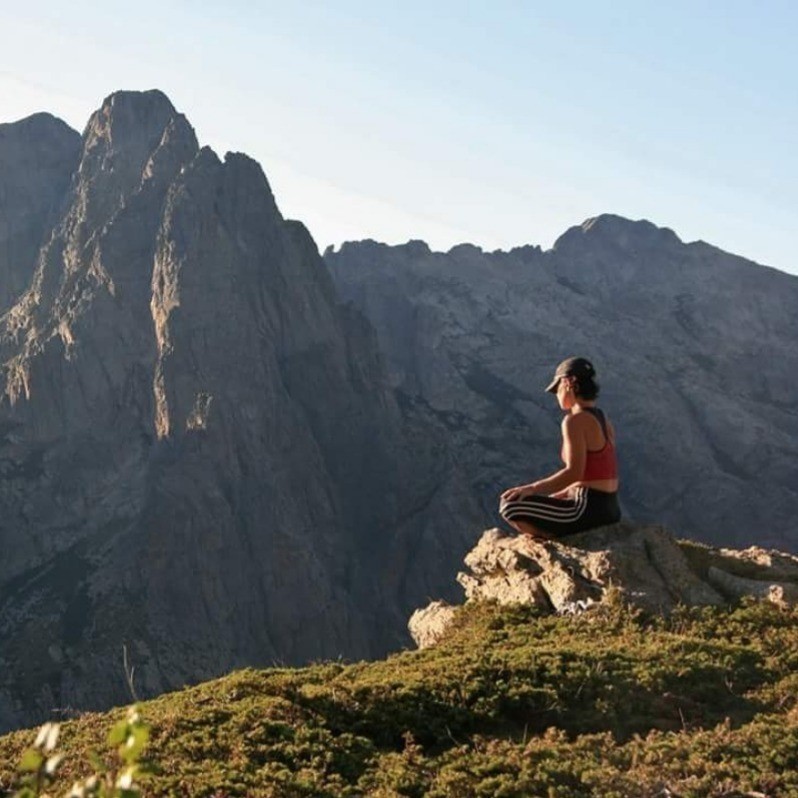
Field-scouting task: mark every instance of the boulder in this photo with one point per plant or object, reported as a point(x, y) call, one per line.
point(429, 624)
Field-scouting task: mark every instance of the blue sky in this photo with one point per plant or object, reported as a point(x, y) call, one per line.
point(498, 123)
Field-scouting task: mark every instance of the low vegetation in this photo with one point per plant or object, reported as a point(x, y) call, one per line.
point(607, 703)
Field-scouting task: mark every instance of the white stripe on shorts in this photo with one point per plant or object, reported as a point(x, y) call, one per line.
point(532, 507)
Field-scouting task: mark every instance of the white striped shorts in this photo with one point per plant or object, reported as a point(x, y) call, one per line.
point(585, 509)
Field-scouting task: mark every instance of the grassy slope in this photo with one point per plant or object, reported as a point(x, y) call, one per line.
point(609, 703)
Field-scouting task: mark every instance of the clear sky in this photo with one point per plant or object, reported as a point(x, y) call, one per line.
point(500, 123)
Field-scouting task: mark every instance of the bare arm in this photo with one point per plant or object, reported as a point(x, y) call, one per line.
point(574, 456)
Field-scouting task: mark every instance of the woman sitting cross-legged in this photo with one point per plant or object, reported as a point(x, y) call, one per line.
point(584, 493)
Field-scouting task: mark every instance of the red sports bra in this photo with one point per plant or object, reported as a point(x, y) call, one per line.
point(601, 463)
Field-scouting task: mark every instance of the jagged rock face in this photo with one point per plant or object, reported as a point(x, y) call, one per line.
point(646, 564)
point(202, 460)
point(696, 351)
point(37, 159)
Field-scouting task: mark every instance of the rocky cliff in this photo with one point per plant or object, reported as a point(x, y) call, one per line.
point(202, 461)
point(696, 351)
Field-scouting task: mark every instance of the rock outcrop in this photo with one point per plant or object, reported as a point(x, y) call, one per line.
point(650, 568)
point(696, 352)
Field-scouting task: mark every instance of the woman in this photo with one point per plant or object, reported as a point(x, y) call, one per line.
point(584, 493)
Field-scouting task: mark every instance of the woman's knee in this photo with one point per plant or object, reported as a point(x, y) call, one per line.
point(506, 511)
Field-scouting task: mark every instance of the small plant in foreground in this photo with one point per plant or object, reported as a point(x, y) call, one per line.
point(40, 763)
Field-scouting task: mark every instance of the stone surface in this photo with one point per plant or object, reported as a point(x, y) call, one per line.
point(645, 561)
point(652, 569)
point(696, 352)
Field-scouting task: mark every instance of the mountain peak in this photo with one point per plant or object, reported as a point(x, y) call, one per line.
point(38, 124)
point(616, 230)
point(465, 249)
point(38, 155)
point(127, 116)
point(138, 102)
point(131, 133)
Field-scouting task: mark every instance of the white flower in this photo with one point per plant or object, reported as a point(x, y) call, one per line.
point(51, 737)
point(41, 737)
point(47, 737)
point(52, 764)
point(125, 779)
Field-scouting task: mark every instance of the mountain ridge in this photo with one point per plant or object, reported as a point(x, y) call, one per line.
point(586, 227)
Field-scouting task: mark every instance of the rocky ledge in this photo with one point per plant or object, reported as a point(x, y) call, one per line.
point(654, 570)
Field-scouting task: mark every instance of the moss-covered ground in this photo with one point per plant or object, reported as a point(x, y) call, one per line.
point(608, 703)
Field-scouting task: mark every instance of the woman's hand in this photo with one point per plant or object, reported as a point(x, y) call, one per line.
point(518, 492)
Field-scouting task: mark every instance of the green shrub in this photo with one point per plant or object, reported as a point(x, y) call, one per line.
point(608, 703)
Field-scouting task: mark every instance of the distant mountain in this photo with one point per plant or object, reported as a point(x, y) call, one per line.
point(696, 351)
point(201, 459)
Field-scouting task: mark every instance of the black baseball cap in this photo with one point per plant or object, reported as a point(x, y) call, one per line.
point(578, 367)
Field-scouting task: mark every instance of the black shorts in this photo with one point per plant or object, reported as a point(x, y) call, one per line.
point(586, 509)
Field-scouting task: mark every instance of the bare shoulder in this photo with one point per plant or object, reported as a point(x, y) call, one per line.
point(575, 422)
